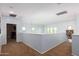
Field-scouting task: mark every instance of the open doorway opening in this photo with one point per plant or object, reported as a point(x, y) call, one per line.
point(11, 33)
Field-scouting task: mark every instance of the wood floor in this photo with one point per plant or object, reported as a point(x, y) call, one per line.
point(63, 49)
point(20, 49)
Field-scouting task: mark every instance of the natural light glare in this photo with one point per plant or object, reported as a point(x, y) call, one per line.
point(33, 28)
point(51, 30)
point(23, 28)
point(55, 30)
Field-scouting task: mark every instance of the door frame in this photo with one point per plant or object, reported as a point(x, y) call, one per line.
point(6, 30)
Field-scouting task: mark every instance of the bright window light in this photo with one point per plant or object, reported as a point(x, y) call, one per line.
point(48, 30)
point(23, 28)
point(33, 28)
point(51, 30)
point(55, 30)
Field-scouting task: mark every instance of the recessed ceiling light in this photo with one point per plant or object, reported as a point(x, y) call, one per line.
point(61, 13)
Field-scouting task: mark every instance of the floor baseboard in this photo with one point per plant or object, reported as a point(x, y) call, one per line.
point(32, 47)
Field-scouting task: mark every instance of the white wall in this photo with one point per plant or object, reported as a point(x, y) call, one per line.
point(77, 24)
point(75, 45)
point(43, 42)
point(33, 40)
point(75, 39)
point(10, 20)
point(50, 41)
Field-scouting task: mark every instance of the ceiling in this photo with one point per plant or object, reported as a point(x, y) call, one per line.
point(41, 13)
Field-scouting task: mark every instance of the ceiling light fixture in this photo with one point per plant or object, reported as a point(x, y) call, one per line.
point(61, 13)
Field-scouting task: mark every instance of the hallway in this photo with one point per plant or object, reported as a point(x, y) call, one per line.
point(20, 49)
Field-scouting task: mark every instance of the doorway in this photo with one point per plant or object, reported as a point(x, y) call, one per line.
point(11, 33)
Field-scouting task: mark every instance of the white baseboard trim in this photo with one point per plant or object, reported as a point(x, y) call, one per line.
point(28, 44)
point(32, 47)
point(51, 48)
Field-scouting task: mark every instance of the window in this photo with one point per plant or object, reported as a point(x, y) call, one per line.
point(55, 30)
point(51, 30)
point(33, 29)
